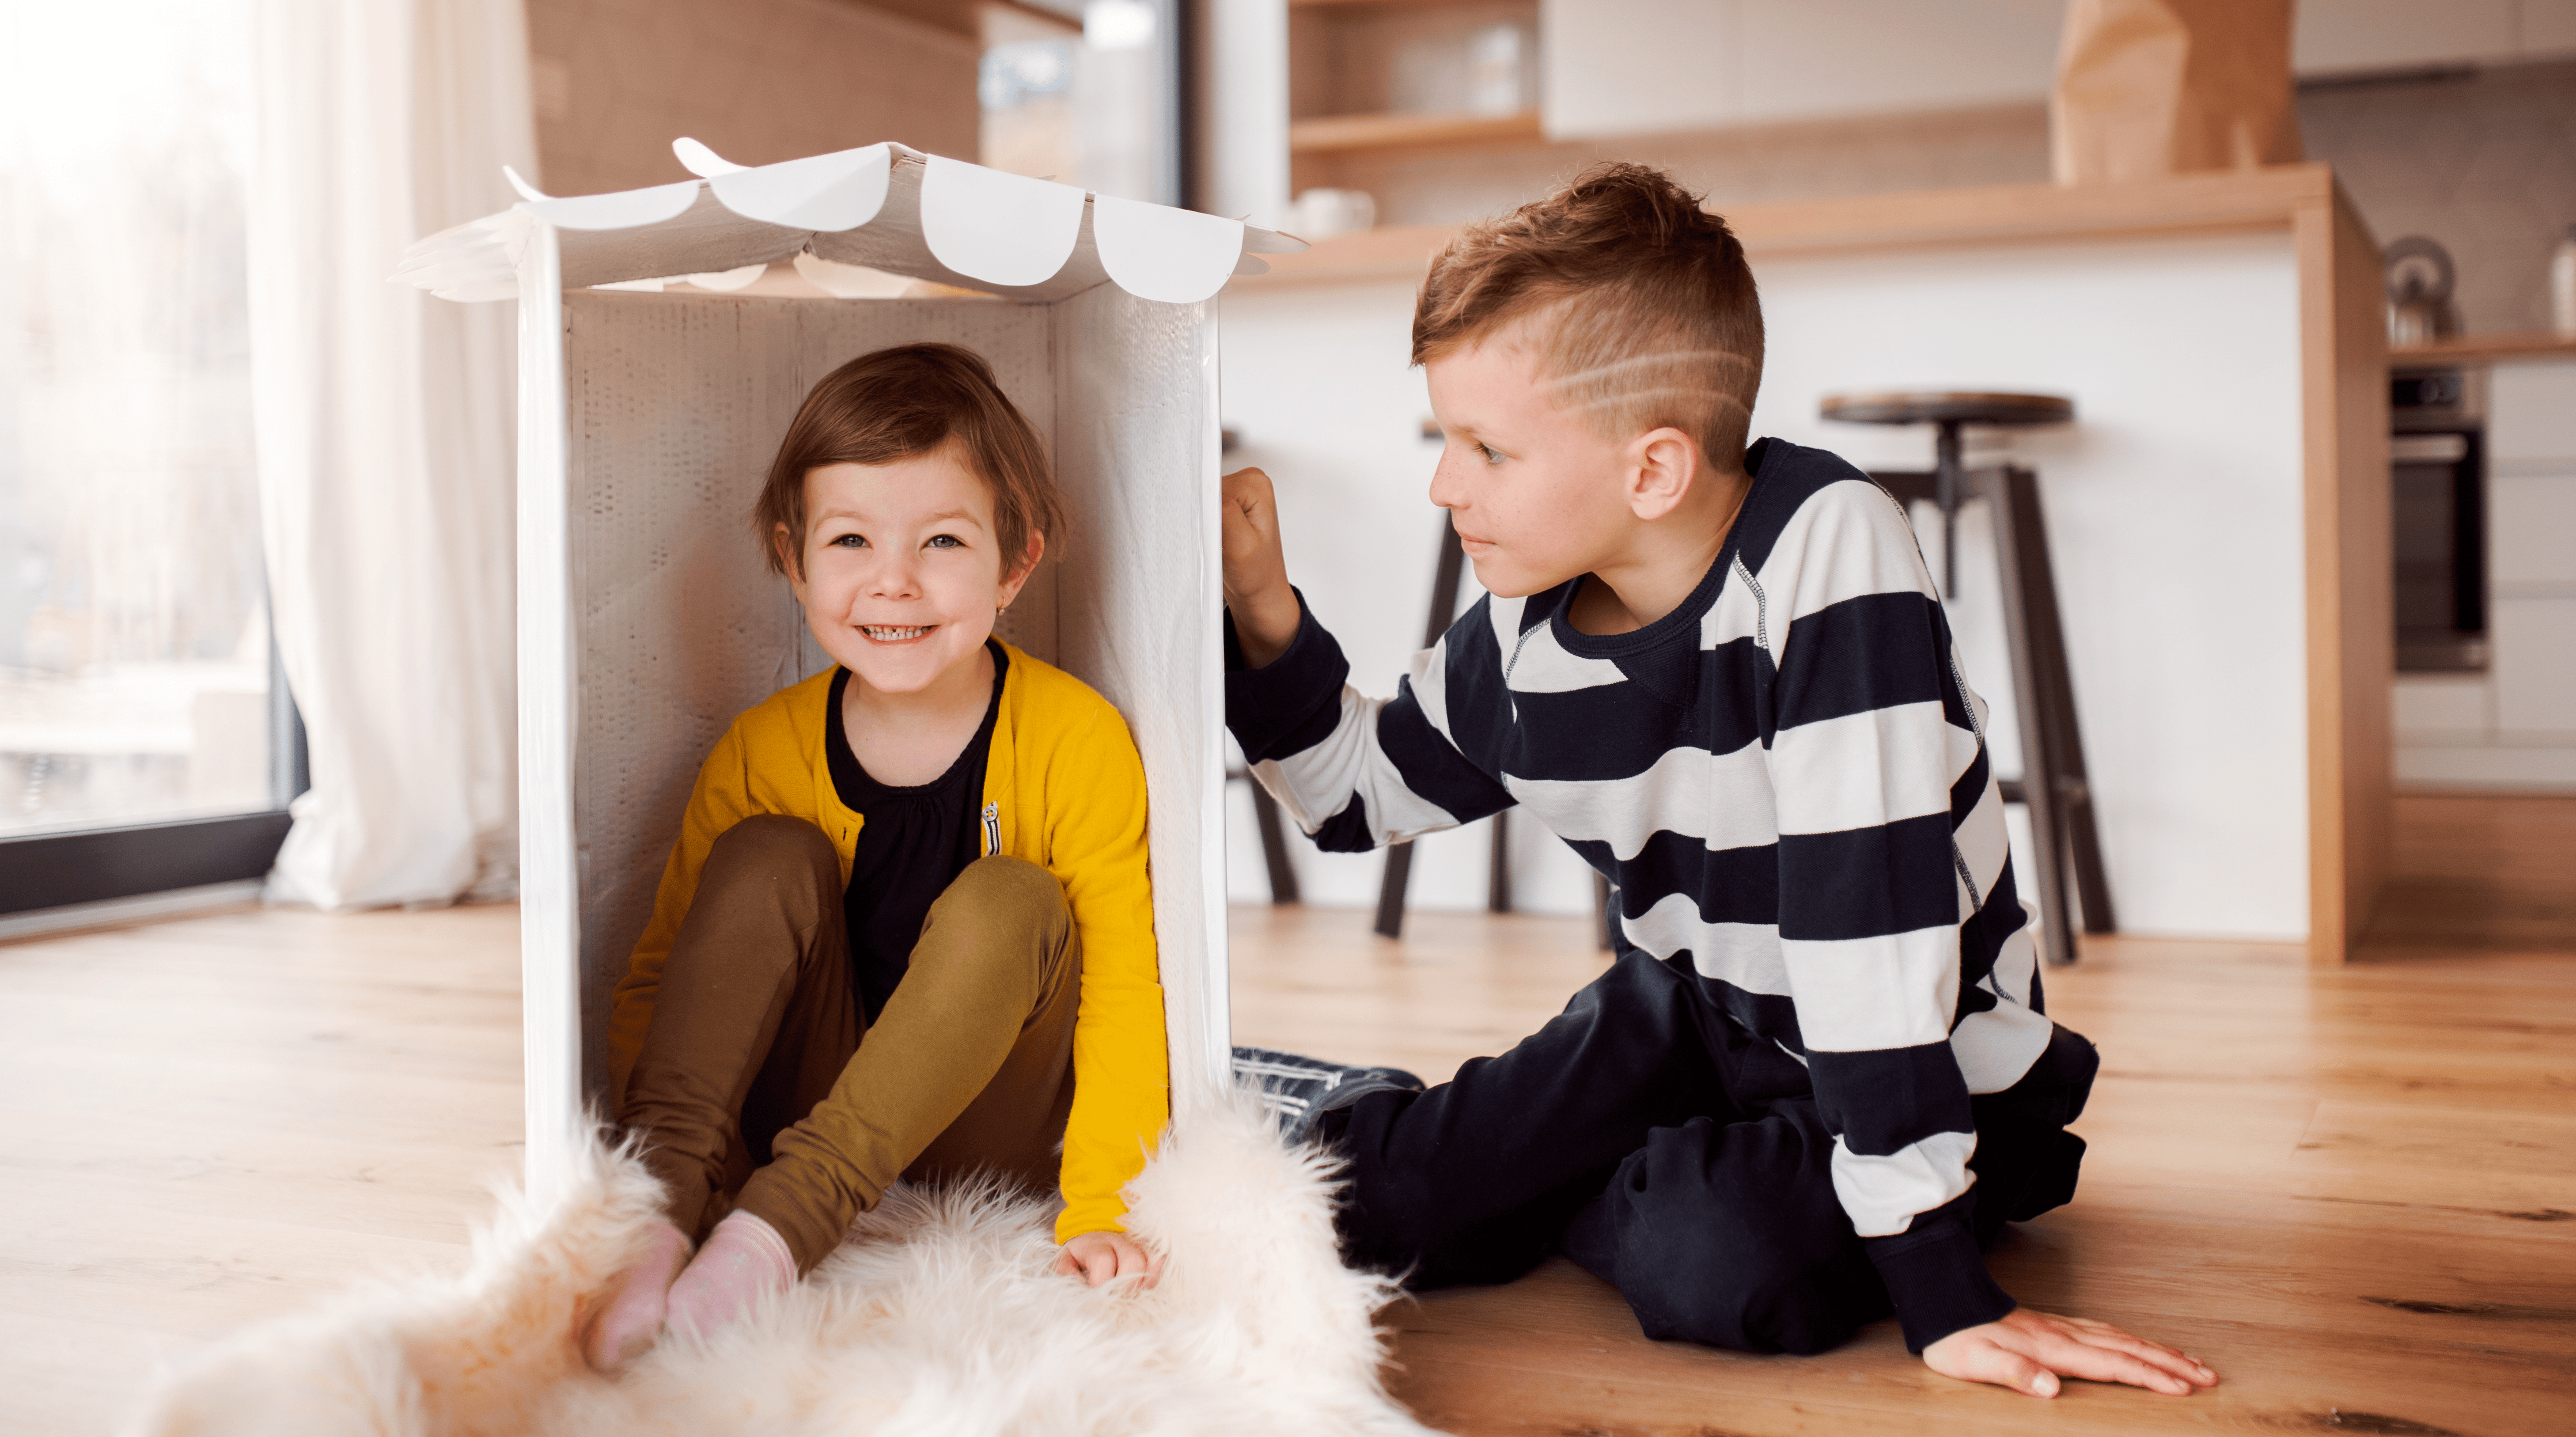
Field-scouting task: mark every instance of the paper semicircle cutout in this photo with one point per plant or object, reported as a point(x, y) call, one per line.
point(621, 209)
point(697, 159)
point(1160, 253)
point(839, 191)
point(1003, 229)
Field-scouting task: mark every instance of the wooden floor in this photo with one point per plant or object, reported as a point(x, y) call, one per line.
point(2353, 1192)
point(208, 1122)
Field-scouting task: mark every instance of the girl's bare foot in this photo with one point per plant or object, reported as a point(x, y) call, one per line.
point(638, 1302)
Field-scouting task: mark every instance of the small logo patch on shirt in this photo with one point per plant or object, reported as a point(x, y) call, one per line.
point(992, 829)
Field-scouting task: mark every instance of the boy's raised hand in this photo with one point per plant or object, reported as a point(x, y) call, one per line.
point(1102, 1256)
point(2028, 1351)
point(1256, 571)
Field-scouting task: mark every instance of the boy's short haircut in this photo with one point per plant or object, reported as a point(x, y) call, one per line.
point(896, 403)
point(1637, 302)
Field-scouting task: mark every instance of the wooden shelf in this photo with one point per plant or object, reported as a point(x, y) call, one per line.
point(1341, 134)
point(1383, 4)
point(2486, 349)
point(2214, 203)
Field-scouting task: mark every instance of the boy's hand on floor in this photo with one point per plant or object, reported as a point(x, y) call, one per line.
point(1256, 570)
point(2028, 1351)
point(1103, 1256)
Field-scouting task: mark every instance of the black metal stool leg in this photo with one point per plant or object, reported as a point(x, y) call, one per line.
point(1390, 890)
point(2072, 782)
point(1949, 492)
point(1274, 844)
point(1399, 857)
point(2054, 785)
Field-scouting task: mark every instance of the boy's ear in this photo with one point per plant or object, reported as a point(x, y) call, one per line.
point(1662, 466)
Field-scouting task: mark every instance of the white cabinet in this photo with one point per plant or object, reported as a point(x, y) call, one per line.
point(2515, 725)
point(2531, 533)
point(2531, 415)
point(1627, 67)
point(1631, 67)
point(2534, 666)
point(2531, 550)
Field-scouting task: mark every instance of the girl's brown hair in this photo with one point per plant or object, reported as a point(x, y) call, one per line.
point(897, 403)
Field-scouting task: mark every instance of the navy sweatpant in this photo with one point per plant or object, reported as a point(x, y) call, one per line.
point(1673, 1154)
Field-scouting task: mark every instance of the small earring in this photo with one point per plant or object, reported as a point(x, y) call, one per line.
point(998, 613)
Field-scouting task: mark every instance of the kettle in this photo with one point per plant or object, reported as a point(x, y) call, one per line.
point(2419, 277)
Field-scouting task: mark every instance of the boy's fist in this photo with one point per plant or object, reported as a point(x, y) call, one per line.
point(1256, 572)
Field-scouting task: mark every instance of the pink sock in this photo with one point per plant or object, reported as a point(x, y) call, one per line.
point(744, 1262)
point(626, 1327)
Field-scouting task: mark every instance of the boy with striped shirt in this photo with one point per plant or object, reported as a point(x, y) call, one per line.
point(1818, 1078)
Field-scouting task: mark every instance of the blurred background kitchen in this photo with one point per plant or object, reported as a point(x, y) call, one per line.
point(150, 741)
point(2292, 570)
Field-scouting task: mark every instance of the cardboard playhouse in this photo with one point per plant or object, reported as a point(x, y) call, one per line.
point(666, 337)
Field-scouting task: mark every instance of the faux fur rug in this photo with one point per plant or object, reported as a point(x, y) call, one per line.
point(938, 1315)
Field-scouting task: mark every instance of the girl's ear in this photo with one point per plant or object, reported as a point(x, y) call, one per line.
point(1016, 579)
point(788, 558)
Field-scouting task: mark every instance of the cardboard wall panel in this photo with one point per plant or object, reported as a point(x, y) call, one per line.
point(676, 407)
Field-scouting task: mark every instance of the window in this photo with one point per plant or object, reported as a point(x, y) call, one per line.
point(1085, 92)
point(140, 714)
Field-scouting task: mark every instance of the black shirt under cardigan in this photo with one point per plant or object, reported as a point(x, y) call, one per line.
point(913, 842)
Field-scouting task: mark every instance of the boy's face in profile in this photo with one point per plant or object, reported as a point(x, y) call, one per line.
point(1536, 494)
point(901, 573)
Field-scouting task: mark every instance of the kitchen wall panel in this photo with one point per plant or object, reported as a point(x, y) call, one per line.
point(2484, 162)
point(758, 80)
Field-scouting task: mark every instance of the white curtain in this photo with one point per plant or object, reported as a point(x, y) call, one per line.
point(384, 433)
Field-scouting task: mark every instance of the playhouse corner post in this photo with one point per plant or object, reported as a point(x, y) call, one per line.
point(550, 900)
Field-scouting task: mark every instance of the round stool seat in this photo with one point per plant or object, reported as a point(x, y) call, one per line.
point(1948, 407)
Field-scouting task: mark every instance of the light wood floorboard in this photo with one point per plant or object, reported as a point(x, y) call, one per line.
point(2353, 1191)
point(211, 1121)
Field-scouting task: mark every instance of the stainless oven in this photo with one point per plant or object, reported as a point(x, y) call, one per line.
point(2437, 451)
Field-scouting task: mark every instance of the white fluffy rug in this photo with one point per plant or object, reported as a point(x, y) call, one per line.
point(938, 1315)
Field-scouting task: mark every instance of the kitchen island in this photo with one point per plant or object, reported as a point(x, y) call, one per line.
point(2218, 513)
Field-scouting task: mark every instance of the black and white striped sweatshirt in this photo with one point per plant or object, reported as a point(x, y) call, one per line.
point(1787, 780)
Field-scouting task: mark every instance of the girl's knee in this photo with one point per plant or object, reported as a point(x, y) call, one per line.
point(774, 842)
point(1009, 888)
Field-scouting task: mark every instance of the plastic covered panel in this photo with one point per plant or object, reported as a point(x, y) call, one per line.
point(1136, 445)
point(676, 406)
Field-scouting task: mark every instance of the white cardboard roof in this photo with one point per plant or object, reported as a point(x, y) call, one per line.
point(883, 206)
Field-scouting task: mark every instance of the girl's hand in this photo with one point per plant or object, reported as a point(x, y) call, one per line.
point(1101, 1256)
point(2026, 1351)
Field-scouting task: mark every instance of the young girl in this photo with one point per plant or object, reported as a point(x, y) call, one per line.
point(906, 929)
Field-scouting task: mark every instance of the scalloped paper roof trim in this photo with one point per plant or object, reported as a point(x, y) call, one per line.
point(880, 207)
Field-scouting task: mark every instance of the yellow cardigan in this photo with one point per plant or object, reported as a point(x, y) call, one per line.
point(1064, 789)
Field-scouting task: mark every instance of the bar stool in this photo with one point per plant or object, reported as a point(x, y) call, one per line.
point(2053, 785)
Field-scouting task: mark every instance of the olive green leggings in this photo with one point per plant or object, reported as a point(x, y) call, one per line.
point(760, 1086)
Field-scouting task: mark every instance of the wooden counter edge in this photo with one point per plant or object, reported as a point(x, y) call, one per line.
point(1991, 214)
point(2484, 349)
point(2348, 578)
